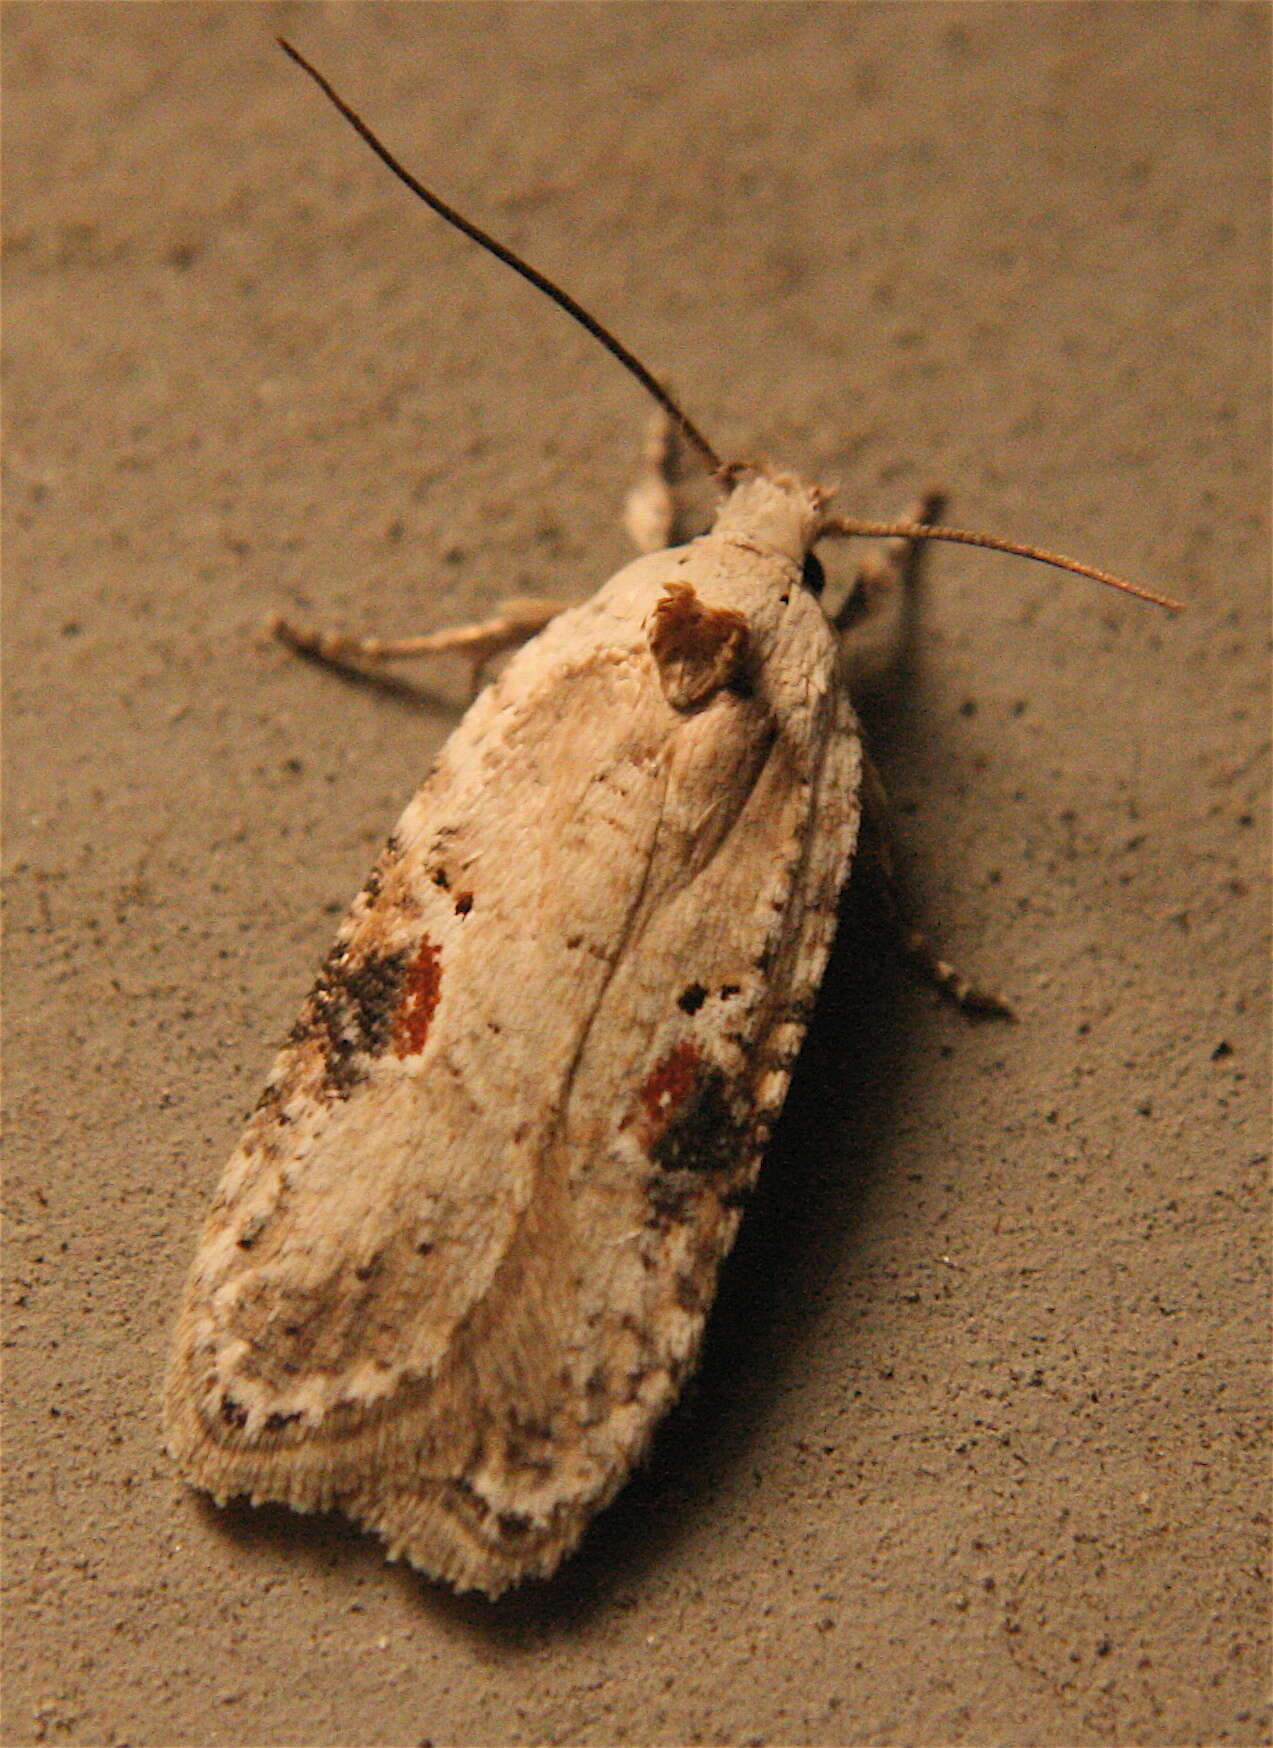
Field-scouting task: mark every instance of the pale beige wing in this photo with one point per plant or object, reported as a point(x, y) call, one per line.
point(461, 1261)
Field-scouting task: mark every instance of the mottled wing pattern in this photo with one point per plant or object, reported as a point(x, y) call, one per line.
point(461, 1260)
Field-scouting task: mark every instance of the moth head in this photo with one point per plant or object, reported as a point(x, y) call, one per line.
point(778, 512)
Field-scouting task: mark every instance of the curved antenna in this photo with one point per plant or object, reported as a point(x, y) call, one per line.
point(850, 526)
point(832, 525)
point(540, 281)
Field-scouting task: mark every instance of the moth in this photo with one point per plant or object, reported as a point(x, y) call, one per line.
point(459, 1265)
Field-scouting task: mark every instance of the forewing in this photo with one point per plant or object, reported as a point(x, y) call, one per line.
point(461, 1261)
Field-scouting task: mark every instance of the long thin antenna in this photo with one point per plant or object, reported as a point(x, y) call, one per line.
point(563, 299)
point(850, 526)
point(832, 525)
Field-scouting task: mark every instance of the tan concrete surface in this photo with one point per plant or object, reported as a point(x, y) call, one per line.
point(975, 1455)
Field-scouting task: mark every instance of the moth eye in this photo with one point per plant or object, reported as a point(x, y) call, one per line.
point(813, 576)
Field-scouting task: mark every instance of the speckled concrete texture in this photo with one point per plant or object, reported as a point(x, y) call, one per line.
point(976, 1451)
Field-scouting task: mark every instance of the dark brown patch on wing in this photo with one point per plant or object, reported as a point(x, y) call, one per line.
point(698, 650)
point(421, 994)
point(699, 1131)
point(386, 865)
point(709, 1130)
point(350, 1012)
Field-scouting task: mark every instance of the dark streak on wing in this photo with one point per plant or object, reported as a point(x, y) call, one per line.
point(709, 1130)
point(700, 1131)
point(350, 1013)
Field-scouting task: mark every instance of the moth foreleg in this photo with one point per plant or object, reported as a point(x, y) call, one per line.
point(914, 944)
point(872, 618)
point(653, 512)
point(513, 623)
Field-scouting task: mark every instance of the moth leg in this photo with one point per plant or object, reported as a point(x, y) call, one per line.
point(653, 512)
point(871, 619)
point(915, 945)
point(513, 623)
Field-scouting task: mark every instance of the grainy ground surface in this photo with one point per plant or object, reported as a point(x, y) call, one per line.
point(975, 1452)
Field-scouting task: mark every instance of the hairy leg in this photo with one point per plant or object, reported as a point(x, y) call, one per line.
point(870, 621)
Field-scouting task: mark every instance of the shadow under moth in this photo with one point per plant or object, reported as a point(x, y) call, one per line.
point(459, 1265)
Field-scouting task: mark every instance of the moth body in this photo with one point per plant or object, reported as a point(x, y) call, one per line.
point(460, 1263)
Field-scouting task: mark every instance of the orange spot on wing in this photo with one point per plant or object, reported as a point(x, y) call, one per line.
point(666, 1089)
point(422, 989)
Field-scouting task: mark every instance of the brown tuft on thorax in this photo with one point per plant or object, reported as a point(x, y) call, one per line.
point(699, 650)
